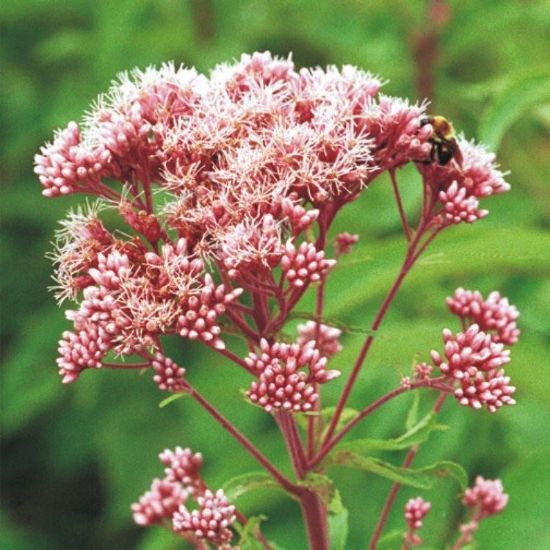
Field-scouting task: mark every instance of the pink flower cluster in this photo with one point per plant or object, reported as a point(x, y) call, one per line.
point(287, 374)
point(473, 359)
point(486, 498)
point(248, 160)
point(211, 521)
point(327, 339)
point(167, 499)
point(458, 187)
point(494, 314)
point(416, 510)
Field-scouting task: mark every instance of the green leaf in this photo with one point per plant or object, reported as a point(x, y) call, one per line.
point(393, 538)
point(170, 399)
point(320, 484)
point(347, 414)
point(422, 478)
point(240, 485)
point(412, 415)
point(249, 533)
point(326, 414)
point(521, 93)
point(337, 522)
point(331, 321)
point(416, 435)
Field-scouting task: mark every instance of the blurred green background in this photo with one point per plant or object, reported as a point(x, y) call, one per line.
point(74, 458)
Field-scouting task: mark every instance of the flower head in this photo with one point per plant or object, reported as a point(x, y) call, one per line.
point(490, 389)
point(159, 503)
point(66, 165)
point(183, 466)
point(304, 264)
point(168, 376)
point(327, 339)
point(211, 521)
point(472, 348)
point(494, 315)
point(416, 510)
point(460, 186)
point(343, 243)
point(472, 363)
point(286, 376)
point(486, 497)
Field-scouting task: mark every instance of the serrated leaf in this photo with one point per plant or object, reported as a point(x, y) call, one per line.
point(422, 478)
point(416, 435)
point(518, 95)
point(174, 397)
point(240, 485)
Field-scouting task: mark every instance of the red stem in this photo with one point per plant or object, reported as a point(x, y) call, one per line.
point(244, 441)
point(467, 534)
point(313, 510)
point(389, 502)
point(235, 358)
point(408, 262)
point(125, 366)
point(402, 213)
point(315, 517)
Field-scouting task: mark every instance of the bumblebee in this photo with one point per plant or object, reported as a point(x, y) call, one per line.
point(443, 140)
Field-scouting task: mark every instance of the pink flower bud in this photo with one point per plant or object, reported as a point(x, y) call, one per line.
point(211, 521)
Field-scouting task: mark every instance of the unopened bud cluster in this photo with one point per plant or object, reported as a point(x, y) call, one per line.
point(169, 499)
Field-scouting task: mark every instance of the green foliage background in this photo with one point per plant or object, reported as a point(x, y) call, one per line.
point(75, 457)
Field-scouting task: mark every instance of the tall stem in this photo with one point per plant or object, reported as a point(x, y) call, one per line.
point(315, 519)
point(313, 509)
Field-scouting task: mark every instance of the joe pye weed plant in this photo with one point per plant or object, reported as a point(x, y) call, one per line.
point(227, 187)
